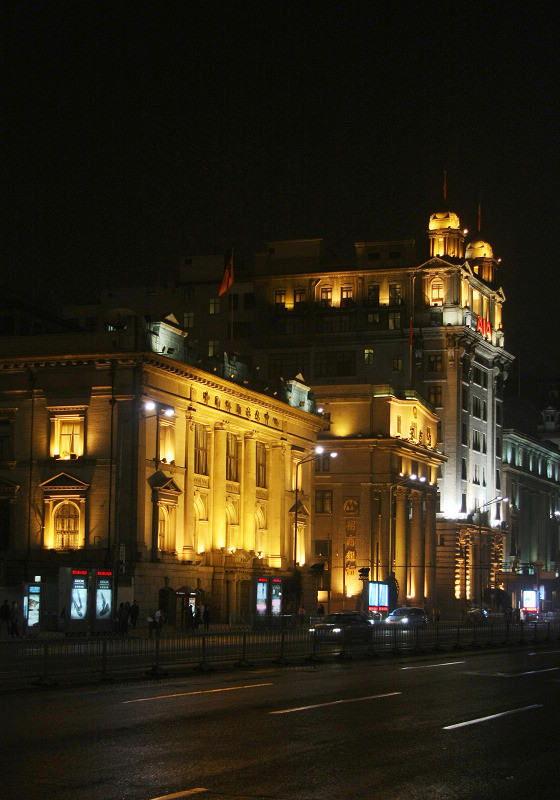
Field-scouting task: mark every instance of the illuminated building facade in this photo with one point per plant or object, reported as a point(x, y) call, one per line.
point(433, 326)
point(116, 451)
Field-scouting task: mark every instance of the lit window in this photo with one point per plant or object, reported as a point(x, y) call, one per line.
point(200, 449)
point(261, 465)
point(66, 526)
point(213, 347)
point(326, 295)
point(368, 356)
point(435, 363)
point(166, 440)
point(214, 305)
point(67, 435)
point(394, 320)
point(232, 457)
point(437, 292)
point(280, 297)
point(397, 363)
point(299, 296)
point(395, 294)
point(346, 295)
point(188, 319)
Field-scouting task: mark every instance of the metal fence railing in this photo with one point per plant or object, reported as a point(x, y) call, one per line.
point(75, 658)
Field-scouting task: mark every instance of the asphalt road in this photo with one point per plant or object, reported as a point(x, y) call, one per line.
point(461, 726)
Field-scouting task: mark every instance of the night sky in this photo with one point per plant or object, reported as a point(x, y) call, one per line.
point(140, 132)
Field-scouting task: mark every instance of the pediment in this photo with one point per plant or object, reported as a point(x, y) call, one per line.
point(64, 483)
point(164, 483)
point(8, 490)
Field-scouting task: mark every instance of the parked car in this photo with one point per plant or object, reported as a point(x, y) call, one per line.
point(408, 617)
point(477, 615)
point(347, 626)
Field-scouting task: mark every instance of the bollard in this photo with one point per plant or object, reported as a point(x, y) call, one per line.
point(243, 660)
point(281, 660)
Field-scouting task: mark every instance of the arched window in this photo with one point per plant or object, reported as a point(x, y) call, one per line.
point(436, 293)
point(66, 526)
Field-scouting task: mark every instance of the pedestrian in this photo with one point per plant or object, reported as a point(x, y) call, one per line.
point(320, 610)
point(159, 620)
point(301, 615)
point(190, 618)
point(134, 611)
point(14, 619)
point(5, 618)
point(206, 618)
point(197, 618)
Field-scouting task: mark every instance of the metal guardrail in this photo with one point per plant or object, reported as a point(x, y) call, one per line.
point(80, 658)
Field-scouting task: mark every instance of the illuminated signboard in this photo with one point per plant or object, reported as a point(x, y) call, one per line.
point(104, 594)
point(262, 595)
point(78, 603)
point(529, 600)
point(378, 596)
point(483, 326)
point(276, 596)
point(34, 605)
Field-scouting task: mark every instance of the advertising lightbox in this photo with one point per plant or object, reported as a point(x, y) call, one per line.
point(529, 600)
point(262, 596)
point(378, 597)
point(79, 594)
point(276, 601)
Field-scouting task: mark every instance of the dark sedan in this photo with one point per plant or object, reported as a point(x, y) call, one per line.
point(347, 626)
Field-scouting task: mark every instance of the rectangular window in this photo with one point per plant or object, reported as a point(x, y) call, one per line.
point(188, 319)
point(476, 441)
point(437, 293)
point(329, 364)
point(323, 463)
point(323, 501)
point(435, 363)
point(67, 435)
point(232, 457)
point(464, 433)
point(498, 413)
point(326, 295)
point(373, 294)
point(368, 356)
point(394, 320)
point(280, 298)
point(476, 478)
point(373, 319)
point(213, 347)
point(435, 396)
point(498, 482)
point(261, 465)
point(214, 305)
point(395, 294)
point(397, 363)
point(476, 407)
point(464, 469)
point(346, 296)
point(498, 447)
point(6, 441)
point(200, 449)
point(463, 504)
point(299, 296)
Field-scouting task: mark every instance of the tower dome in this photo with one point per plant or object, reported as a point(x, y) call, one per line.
point(445, 235)
point(479, 249)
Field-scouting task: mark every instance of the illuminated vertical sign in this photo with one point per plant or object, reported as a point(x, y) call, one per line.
point(262, 596)
point(79, 592)
point(378, 596)
point(104, 595)
point(276, 594)
point(529, 601)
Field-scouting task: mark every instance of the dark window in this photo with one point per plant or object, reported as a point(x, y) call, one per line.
point(323, 501)
point(435, 395)
point(464, 469)
point(395, 294)
point(373, 294)
point(435, 363)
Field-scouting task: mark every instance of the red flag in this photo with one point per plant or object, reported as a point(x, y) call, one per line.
point(227, 279)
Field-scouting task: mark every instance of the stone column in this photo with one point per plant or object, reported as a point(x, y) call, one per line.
point(249, 497)
point(276, 496)
point(188, 500)
point(430, 550)
point(219, 488)
point(385, 545)
point(399, 535)
point(416, 588)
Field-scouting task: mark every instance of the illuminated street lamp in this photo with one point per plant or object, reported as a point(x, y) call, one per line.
point(319, 451)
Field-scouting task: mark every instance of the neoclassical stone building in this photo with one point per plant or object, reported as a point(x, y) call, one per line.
point(118, 453)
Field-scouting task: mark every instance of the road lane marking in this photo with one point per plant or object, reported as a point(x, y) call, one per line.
point(512, 674)
point(491, 716)
point(335, 703)
point(544, 653)
point(177, 795)
point(429, 666)
point(202, 691)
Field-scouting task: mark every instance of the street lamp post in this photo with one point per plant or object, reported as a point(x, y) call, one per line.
point(319, 451)
point(481, 508)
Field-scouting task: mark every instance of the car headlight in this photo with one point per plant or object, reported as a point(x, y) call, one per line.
point(404, 620)
point(311, 630)
point(337, 630)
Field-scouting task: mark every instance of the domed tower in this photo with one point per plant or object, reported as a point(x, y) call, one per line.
point(445, 235)
point(481, 257)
